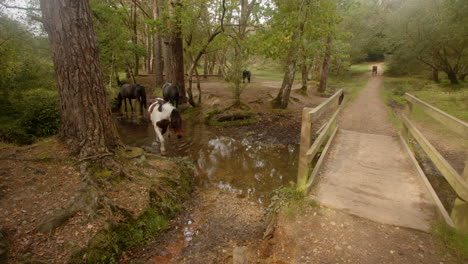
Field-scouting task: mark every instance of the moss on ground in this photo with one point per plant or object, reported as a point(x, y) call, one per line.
point(166, 196)
point(453, 242)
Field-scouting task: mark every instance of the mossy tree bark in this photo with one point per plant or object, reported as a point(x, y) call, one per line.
point(87, 126)
point(325, 66)
point(282, 99)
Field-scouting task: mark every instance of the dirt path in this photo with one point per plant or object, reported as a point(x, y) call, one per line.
point(372, 202)
point(368, 114)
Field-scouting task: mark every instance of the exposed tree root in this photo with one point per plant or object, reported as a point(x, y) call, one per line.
point(88, 199)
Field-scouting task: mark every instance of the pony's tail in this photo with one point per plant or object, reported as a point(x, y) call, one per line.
point(143, 98)
point(118, 100)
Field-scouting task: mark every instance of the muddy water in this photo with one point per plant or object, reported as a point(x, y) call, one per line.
point(248, 169)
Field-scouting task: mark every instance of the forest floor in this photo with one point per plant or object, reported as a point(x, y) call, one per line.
point(38, 179)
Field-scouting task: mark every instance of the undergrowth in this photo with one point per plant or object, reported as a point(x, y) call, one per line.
point(289, 201)
point(453, 242)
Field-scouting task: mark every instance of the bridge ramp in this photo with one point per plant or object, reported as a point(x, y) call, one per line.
point(370, 175)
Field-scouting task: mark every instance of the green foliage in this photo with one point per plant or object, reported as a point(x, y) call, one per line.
point(28, 105)
point(107, 245)
point(41, 116)
point(288, 199)
point(112, 24)
point(427, 34)
point(445, 97)
point(451, 241)
point(14, 134)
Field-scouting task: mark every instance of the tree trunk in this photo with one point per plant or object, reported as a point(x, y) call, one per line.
point(158, 63)
point(452, 76)
point(435, 75)
point(175, 50)
point(86, 122)
point(135, 37)
point(305, 73)
point(282, 99)
point(326, 63)
point(205, 65)
point(148, 46)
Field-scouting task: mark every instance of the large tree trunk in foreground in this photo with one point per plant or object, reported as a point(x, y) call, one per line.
point(87, 126)
point(325, 66)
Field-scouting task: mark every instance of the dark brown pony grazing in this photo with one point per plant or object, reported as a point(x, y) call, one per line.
point(130, 92)
point(374, 70)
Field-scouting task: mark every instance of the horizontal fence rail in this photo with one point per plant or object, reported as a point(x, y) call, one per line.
point(451, 122)
point(459, 183)
point(308, 149)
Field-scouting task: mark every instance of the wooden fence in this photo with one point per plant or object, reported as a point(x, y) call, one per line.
point(308, 169)
point(200, 75)
point(459, 215)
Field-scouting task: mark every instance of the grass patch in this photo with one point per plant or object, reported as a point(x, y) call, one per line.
point(191, 112)
point(453, 242)
point(361, 68)
point(272, 75)
point(450, 99)
point(289, 201)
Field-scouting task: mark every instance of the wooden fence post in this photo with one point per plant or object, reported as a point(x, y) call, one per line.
point(306, 138)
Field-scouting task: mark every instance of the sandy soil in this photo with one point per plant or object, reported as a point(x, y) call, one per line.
point(323, 235)
point(213, 224)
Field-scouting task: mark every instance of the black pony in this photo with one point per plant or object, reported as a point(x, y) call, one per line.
point(172, 93)
point(246, 75)
point(130, 92)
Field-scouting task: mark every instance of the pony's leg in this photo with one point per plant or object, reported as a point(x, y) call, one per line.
point(125, 101)
point(141, 105)
point(160, 137)
point(131, 106)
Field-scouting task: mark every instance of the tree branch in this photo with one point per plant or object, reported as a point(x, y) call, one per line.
point(20, 7)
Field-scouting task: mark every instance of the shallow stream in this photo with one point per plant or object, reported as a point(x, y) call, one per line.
point(248, 169)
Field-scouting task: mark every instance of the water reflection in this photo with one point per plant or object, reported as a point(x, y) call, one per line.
point(246, 168)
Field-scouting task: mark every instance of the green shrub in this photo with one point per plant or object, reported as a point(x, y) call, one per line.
point(41, 115)
point(13, 134)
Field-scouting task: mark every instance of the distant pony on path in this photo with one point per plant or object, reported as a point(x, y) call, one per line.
point(246, 75)
point(374, 70)
point(163, 114)
point(129, 91)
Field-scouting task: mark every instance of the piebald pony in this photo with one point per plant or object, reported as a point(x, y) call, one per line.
point(162, 115)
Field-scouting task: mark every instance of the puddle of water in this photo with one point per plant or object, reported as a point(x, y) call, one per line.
point(245, 168)
point(248, 169)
